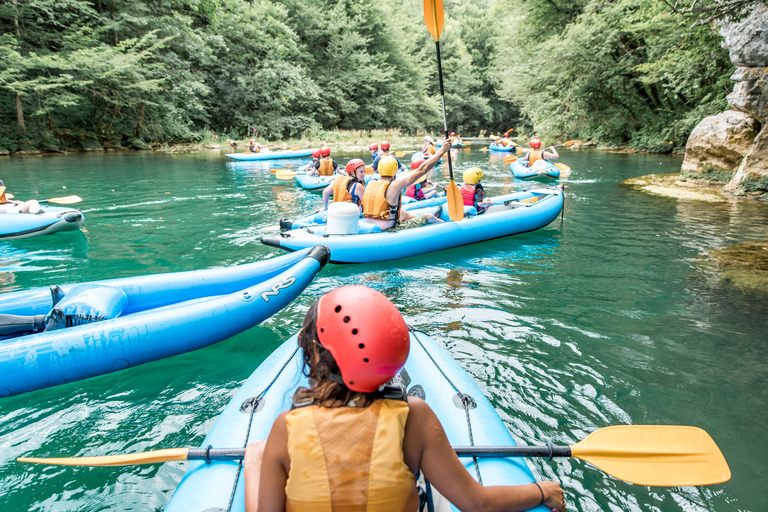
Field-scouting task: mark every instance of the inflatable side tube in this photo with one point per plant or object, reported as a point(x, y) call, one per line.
point(156, 290)
point(51, 358)
point(15, 226)
point(271, 155)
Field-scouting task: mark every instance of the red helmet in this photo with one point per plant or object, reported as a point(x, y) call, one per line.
point(374, 145)
point(385, 145)
point(325, 151)
point(365, 334)
point(416, 163)
point(535, 143)
point(315, 153)
point(353, 164)
point(371, 147)
point(453, 134)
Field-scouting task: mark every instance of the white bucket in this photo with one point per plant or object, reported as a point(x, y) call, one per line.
point(342, 219)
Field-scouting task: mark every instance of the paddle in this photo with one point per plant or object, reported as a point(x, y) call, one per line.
point(55, 200)
point(274, 171)
point(518, 150)
point(434, 17)
point(509, 159)
point(565, 171)
point(285, 174)
point(657, 455)
point(400, 154)
point(296, 148)
point(368, 169)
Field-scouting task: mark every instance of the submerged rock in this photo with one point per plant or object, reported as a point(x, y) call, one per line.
point(743, 266)
point(677, 186)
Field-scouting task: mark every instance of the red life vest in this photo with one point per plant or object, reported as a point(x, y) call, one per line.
point(468, 194)
point(415, 192)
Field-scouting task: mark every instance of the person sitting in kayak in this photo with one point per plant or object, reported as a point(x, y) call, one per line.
point(429, 146)
point(422, 189)
point(534, 153)
point(455, 139)
point(349, 188)
point(385, 152)
point(253, 146)
point(472, 192)
point(373, 148)
point(381, 201)
point(325, 165)
point(11, 206)
point(352, 443)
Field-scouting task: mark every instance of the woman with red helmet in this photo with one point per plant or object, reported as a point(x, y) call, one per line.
point(373, 148)
point(325, 165)
point(349, 188)
point(352, 443)
point(535, 153)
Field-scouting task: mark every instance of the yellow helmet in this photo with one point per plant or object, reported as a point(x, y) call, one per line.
point(388, 166)
point(473, 175)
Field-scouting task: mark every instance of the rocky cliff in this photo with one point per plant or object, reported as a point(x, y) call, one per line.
point(732, 147)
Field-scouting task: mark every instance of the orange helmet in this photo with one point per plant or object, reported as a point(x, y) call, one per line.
point(353, 164)
point(535, 143)
point(365, 334)
point(325, 151)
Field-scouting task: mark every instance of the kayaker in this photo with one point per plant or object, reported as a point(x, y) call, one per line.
point(325, 165)
point(429, 146)
point(351, 443)
point(11, 206)
point(348, 188)
point(373, 148)
point(534, 153)
point(422, 189)
point(253, 146)
point(381, 201)
point(455, 139)
point(385, 152)
point(472, 192)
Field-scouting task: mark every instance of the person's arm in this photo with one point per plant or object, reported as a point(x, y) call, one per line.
point(327, 191)
point(424, 435)
point(254, 453)
point(376, 163)
point(275, 466)
point(358, 189)
point(406, 180)
point(548, 155)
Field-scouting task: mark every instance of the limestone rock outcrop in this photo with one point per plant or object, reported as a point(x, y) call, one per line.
point(733, 146)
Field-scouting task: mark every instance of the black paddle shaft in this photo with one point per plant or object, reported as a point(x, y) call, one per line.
point(442, 97)
point(493, 452)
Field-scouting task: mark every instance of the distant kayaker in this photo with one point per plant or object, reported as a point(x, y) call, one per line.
point(381, 201)
point(429, 146)
point(384, 151)
point(348, 188)
point(422, 189)
point(351, 443)
point(534, 153)
point(455, 139)
point(253, 146)
point(373, 148)
point(325, 165)
point(472, 192)
point(11, 206)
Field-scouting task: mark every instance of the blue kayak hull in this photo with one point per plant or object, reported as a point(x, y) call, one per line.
point(314, 182)
point(28, 225)
point(528, 211)
point(429, 370)
point(183, 312)
point(524, 172)
point(271, 155)
point(496, 147)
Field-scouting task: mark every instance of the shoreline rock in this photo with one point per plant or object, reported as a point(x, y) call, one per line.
point(679, 187)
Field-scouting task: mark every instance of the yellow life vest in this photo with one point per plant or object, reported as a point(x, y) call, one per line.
point(326, 167)
point(375, 204)
point(348, 458)
point(3, 199)
point(341, 190)
point(431, 149)
point(533, 156)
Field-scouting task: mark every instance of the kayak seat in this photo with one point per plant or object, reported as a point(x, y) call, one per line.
point(85, 304)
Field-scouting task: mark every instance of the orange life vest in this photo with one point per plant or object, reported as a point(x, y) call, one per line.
point(326, 167)
point(349, 458)
point(535, 155)
point(375, 205)
point(431, 149)
point(342, 186)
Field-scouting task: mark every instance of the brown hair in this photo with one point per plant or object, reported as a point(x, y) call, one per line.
point(318, 364)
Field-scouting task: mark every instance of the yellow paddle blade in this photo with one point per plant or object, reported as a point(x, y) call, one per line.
point(152, 457)
point(509, 159)
point(519, 151)
point(296, 148)
point(65, 200)
point(285, 174)
point(656, 455)
point(400, 154)
point(571, 143)
point(455, 202)
point(7, 196)
point(484, 149)
point(467, 142)
point(274, 171)
point(368, 169)
point(434, 17)
point(562, 167)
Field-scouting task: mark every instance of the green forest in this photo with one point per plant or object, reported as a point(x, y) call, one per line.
point(630, 72)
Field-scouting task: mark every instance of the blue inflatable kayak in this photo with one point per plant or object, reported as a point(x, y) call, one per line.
point(314, 182)
point(271, 155)
point(421, 156)
point(496, 147)
point(52, 220)
point(429, 373)
point(512, 214)
point(149, 318)
point(544, 170)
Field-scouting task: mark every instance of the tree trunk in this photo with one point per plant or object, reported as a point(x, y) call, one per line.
point(141, 119)
point(20, 113)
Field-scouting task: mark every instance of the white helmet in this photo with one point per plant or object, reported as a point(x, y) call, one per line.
point(428, 139)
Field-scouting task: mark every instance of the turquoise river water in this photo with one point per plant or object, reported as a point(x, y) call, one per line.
point(607, 317)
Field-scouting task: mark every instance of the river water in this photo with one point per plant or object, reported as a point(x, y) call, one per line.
point(607, 317)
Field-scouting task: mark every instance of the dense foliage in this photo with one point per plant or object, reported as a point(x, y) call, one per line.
point(131, 71)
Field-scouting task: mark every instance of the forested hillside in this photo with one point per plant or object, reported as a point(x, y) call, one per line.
point(622, 71)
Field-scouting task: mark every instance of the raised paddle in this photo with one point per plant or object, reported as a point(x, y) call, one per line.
point(434, 17)
point(665, 456)
point(55, 200)
point(285, 174)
